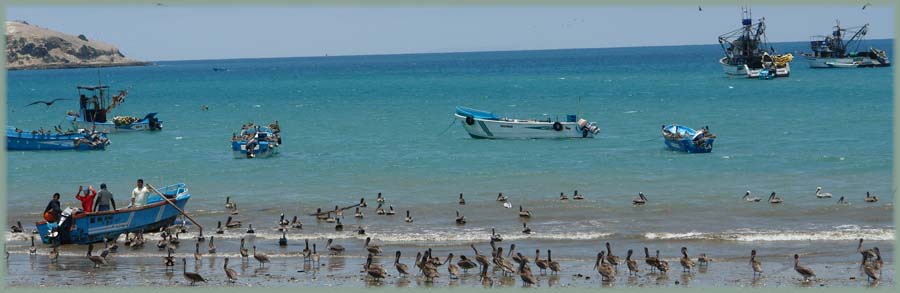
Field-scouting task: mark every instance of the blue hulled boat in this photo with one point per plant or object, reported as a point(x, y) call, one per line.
point(256, 141)
point(20, 140)
point(83, 228)
point(686, 139)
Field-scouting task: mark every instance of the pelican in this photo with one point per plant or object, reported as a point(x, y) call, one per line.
point(495, 237)
point(632, 264)
point(485, 279)
point(338, 212)
point(661, 265)
point(460, 220)
point(755, 264)
point(283, 240)
point(228, 204)
point(262, 258)
point(379, 210)
point(501, 197)
point(164, 242)
point(526, 230)
point(803, 270)
point(219, 229)
point(96, 259)
point(33, 249)
point(462, 201)
point(197, 255)
point(230, 274)
point(610, 258)
point(703, 260)
point(523, 213)
point(871, 198)
point(18, 227)
point(747, 197)
point(402, 269)
point(481, 259)
point(502, 263)
point(640, 200)
point(372, 248)
point(466, 263)
point(843, 201)
point(307, 253)
point(651, 261)
point(606, 270)
point(138, 240)
point(212, 246)
point(512, 249)
point(554, 266)
point(821, 194)
point(562, 196)
point(866, 253)
point(339, 226)
point(322, 216)
point(872, 272)
point(507, 205)
point(315, 255)
point(774, 199)
point(578, 196)
point(169, 261)
point(360, 230)
point(190, 276)
point(232, 224)
point(243, 251)
point(358, 214)
point(408, 218)
point(295, 223)
point(379, 199)
point(362, 203)
point(283, 222)
point(375, 271)
point(54, 254)
point(452, 269)
point(334, 248)
point(686, 263)
point(525, 274)
point(541, 263)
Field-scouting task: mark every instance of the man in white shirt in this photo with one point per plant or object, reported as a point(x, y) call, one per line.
point(139, 194)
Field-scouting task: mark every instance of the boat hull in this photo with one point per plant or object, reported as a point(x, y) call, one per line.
point(844, 62)
point(500, 129)
point(262, 150)
point(110, 127)
point(84, 228)
point(39, 142)
point(744, 70)
point(686, 143)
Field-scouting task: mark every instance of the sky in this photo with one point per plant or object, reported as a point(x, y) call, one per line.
point(158, 33)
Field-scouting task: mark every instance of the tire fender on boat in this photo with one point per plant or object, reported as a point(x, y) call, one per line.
point(584, 132)
point(557, 126)
point(470, 120)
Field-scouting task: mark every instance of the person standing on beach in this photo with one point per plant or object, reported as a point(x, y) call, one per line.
point(104, 199)
point(86, 197)
point(139, 194)
point(52, 211)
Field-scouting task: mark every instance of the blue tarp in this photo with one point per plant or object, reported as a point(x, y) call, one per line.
point(469, 112)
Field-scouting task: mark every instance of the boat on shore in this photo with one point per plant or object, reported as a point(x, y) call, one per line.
point(256, 141)
point(746, 52)
point(482, 124)
point(20, 140)
point(833, 52)
point(77, 227)
point(686, 139)
point(93, 112)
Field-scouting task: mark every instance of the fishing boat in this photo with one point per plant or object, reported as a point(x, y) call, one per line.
point(685, 139)
point(256, 141)
point(834, 52)
point(20, 140)
point(77, 227)
point(746, 52)
point(483, 124)
point(93, 112)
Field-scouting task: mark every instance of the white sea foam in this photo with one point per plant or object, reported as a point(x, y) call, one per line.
point(840, 233)
point(424, 236)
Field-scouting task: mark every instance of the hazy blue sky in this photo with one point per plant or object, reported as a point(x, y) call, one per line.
point(218, 32)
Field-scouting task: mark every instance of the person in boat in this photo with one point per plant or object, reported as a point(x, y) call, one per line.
point(139, 194)
point(82, 101)
point(52, 211)
point(86, 197)
point(104, 199)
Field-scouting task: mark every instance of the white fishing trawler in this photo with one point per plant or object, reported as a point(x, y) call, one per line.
point(483, 124)
point(833, 52)
point(746, 52)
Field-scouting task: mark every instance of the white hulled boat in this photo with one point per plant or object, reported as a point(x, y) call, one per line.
point(482, 124)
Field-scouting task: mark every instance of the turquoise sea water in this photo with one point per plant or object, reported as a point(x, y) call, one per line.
point(357, 125)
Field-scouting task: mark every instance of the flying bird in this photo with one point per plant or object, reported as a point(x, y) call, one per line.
point(699, 8)
point(50, 103)
point(866, 5)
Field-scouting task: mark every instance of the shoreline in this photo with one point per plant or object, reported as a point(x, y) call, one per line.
point(77, 65)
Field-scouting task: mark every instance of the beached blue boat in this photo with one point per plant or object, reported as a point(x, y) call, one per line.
point(84, 228)
point(256, 141)
point(686, 139)
point(20, 140)
point(93, 110)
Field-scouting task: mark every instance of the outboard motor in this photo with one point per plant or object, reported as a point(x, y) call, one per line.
point(591, 127)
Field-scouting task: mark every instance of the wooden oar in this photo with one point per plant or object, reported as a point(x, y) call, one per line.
point(176, 208)
point(328, 212)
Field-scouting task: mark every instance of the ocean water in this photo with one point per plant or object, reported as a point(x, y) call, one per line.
point(354, 126)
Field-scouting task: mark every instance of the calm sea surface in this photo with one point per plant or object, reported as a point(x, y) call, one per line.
point(355, 126)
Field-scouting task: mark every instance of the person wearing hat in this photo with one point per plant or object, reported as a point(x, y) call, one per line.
point(104, 199)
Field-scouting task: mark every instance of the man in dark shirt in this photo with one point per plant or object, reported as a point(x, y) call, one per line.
point(52, 212)
point(104, 198)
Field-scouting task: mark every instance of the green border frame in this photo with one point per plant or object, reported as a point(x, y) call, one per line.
point(3, 163)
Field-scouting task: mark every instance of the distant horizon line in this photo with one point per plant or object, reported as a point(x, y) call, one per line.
point(454, 52)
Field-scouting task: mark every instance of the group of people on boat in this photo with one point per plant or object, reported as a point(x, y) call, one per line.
point(249, 134)
point(93, 201)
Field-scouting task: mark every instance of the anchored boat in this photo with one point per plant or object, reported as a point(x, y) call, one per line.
point(482, 124)
point(82, 228)
point(256, 141)
point(747, 52)
point(20, 140)
point(686, 139)
point(93, 111)
point(833, 52)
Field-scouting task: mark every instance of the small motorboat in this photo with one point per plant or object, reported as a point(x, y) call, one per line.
point(841, 65)
point(685, 139)
point(482, 124)
point(256, 141)
point(20, 140)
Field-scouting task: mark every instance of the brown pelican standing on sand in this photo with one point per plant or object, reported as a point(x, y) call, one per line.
point(190, 276)
point(334, 248)
point(485, 279)
point(212, 246)
point(703, 260)
point(358, 214)
point(774, 199)
point(243, 251)
point(804, 271)
point(541, 263)
point(466, 263)
point(54, 254)
point(372, 248)
point(755, 264)
point(632, 264)
point(262, 258)
point(390, 211)
point(96, 259)
point(640, 200)
point(315, 255)
point(197, 255)
point(481, 259)
point(307, 253)
point(523, 213)
point(661, 265)
point(554, 266)
point(525, 229)
point(610, 258)
point(462, 201)
point(512, 249)
point(686, 263)
point(872, 272)
point(402, 269)
point(866, 253)
point(651, 261)
point(562, 196)
point(230, 274)
point(33, 249)
point(747, 197)
point(502, 263)
point(606, 270)
point(528, 279)
point(452, 269)
point(871, 198)
point(376, 272)
point(408, 218)
point(460, 220)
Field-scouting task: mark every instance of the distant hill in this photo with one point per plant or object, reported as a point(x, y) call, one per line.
point(32, 47)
